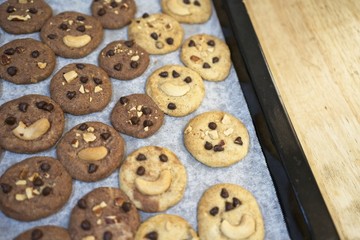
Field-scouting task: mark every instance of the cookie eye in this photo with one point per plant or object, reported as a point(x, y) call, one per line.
point(33, 10)
point(80, 18)
point(63, 26)
point(224, 193)
point(215, 60)
point(212, 125)
point(238, 140)
point(152, 235)
point(10, 120)
point(23, 107)
point(140, 171)
point(188, 80)
point(163, 74)
point(175, 74)
point(148, 123)
point(10, 9)
point(163, 158)
point(81, 28)
point(214, 211)
point(197, 3)
point(141, 157)
point(97, 81)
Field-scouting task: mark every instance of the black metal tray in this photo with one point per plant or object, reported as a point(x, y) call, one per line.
point(303, 207)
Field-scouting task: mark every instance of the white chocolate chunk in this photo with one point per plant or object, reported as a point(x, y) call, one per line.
point(97, 89)
point(226, 119)
point(69, 76)
point(41, 65)
point(213, 134)
point(20, 183)
point(89, 137)
point(228, 131)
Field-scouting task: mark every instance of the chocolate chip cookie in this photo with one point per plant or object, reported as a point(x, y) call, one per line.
point(25, 61)
point(228, 211)
point(113, 14)
point(72, 34)
point(153, 178)
point(91, 151)
point(124, 60)
point(137, 115)
point(156, 33)
point(30, 124)
point(24, 16)
point(30, 185)
point(45, 233)
point(81, 88)
point(217, 139)
point(104, 213)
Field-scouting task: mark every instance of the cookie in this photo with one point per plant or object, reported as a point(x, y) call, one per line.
point(137, 115)
point(153, 178)
point(177, 90)
point(227, 211)
point(72, 34)
point(207, 55)
point(166, 226)
point(45, 233)
point(156, 33)
point(81, 88)
point(30, 124)
point(25, 61)
point(24, 16)
point(104, 213)
point(217, 139)
point(187, 11)
point(124, 60)
point(91, 151)
point(113, 14)
point(28, 186)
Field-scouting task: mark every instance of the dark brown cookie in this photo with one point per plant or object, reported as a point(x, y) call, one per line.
point(124, 60)
point(25, 61)
point(45, 233)
point(30, 124)
point(72, 34)
point(91, 151)
point(81, 88)
point(113, 14)
point(34, 188)
point(24, 16)
point(104, 213)
point(137, 115)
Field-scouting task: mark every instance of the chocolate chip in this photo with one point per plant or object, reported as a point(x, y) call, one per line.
point(92, 168)
point(101, 12)
point(145, 15)
point(6, 188)
point(10, 9)
point(164, 74)
point(80, 66)
point(52, 36)
point(146, 110)
point(82, 203)
point(171, 106)
point(10, 120)
point(35, 54)
point(70, 94)
point(124, 100)
point(45, 167)
point(38, 182)
point(212, 125)
point(236, 202)
point(110, 53)
point(191, 43)
point(63, 26)
point(23, 107)
point(188, 80)
point(141, 157)
point(97, 81)
point(83, 127)
point(134, 120)
point(105, 136)
point(129, 43)
point(186, 1)
point(33, 10)
point(36, 234)
point(206, 65)
point(12, 70)
point(152, 235)
point(45, 106)
point(118, 67)
point(40, 104)
point(148, 123)
point(113, 4)
point(211, 43)
point(175, 74)
point(81, 28)
point(134, 64)
point(80, 18)
point(46, 191)
point(140, 171)
point(214, 211)
point(9, 51)
point(154, 36)
point(228, 206)
point(107, 235)
point(126, 206)
point(208, 145)
point(169, 41)
point(218, 148)
point(197, 3)
point(239, 141)
point(86, 225)
point(163, 158)
point(215, 60)
point(224, 193)
point(84, 79)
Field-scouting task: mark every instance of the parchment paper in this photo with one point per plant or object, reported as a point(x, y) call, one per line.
point(251, 172)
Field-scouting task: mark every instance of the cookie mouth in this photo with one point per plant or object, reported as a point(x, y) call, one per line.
point(33, 131)
point(20, 18)
point(155, 187)
point(243, 230)
point(93, 153)
point(77, 41)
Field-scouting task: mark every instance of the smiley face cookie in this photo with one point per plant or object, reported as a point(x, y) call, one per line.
point(207, 55)
point(24, 16)
point(45, 233)
point(137, 115)
point(188, 11)
point(91, 151)
point(30, 124)
point(156, 33)
point(177, 90)
point(153, 178)
point(25, 61)
point(228, 211)
point(217, 139)
point(166, 226)
point(72, 34)
point(28, 186)
point(81, 88)
point(104, 213)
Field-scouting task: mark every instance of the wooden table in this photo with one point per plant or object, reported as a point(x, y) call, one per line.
point(312, 48)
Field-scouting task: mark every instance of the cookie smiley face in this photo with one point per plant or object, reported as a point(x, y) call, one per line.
point(153, 178)
point(72, 34)
point(91, 151)
point(229, 212)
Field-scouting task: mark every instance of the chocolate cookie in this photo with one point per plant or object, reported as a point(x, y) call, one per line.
point(30, 124)
point(26, 61)
point(81, 88)
point(113, 14)
point(24, 16)
point(156, 33)
point(124, 60)
point(153, 178)
point(137, 115)
point(104, 213)
point(34, 188)
point(72, 34)
point(45, 233)
point(91, 151)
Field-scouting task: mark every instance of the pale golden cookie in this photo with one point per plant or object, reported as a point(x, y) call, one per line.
point(217, 139)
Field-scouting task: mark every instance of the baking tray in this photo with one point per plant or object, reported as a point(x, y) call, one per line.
point(304, 209)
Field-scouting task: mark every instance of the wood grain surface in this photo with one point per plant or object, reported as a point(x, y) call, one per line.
point(312, 48)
